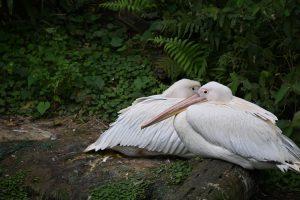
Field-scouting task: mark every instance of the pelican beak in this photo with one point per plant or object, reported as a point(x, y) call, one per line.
point(177, 108)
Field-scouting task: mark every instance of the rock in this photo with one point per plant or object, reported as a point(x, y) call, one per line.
point(214, 179)
point(58, 169)
point(11, 131)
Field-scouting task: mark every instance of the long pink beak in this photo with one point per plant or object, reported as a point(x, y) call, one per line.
point(177, 108)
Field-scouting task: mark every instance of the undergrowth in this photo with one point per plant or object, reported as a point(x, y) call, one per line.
point(71, 69)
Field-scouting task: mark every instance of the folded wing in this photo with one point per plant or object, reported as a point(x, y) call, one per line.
point(126, 130)
point(242, 133)
point(241, 104)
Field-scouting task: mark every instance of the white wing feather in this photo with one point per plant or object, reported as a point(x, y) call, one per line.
point(238, 103)
point(241, 133)
point(126, 130)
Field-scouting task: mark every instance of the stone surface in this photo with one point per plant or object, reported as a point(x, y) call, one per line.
point(50, 153)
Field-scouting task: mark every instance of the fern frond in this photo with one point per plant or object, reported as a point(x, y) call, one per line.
point(169, 66)
point(167, 25)
point(187, 54)
point(182, 28)
point(130, 5)
point(189, 28)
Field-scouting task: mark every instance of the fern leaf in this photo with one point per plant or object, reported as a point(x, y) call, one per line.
point(187, 54)
point(130, 5)
point(169, 66)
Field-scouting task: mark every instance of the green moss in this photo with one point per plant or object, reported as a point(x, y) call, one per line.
point(12, 187)
point(60, 194)
point(176, 172)
point(130, 189)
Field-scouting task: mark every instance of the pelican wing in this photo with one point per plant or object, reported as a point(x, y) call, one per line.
point(253, 109)
point(241, 133)
point(126, 130)
point(141, 99)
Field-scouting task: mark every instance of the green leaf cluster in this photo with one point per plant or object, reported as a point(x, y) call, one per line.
point(87, 67)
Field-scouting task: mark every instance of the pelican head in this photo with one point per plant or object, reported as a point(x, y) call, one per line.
point(182, 89)
point(210, 92)
point(214, 91)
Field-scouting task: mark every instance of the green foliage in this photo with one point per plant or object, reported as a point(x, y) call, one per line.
point(131, 189)
point(12, 187)
point(176, 172)
point(250, 46)
point(53, 70)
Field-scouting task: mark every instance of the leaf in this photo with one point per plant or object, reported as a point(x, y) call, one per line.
point(140, 82)
point(296, 88)
point(43, 106)
point(99, 33)
point(116, 42)
point(286, 13)
point(296, 120)
point(10, 5)
point(94, 81)
point(235, 82)
point(255, 9)
point(123, 48)
point(240, 2)
point(281, 93)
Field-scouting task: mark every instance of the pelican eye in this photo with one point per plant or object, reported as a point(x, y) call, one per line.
point(205, 91)
point(193, 88)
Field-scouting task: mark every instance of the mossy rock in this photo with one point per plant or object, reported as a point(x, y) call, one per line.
point(131, 189)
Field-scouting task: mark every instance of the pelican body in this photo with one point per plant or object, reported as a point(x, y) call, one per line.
point(126, 136)
point(215, 124)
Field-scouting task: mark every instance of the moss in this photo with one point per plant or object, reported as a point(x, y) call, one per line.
point(46, 145)
point(60, 194)
point(9, 148)
point(131, 189)
point(12, 187)
point(176, 172)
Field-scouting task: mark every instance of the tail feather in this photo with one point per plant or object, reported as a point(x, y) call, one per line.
point(90, 148)
point(286, 166)
point(291, 147)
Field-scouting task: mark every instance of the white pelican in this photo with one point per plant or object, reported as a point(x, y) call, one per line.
point(126, 136)
point(218, 125)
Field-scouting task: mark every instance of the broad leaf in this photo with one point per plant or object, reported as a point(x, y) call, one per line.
point(281, 93)
point(43, 106)
point(116, 42)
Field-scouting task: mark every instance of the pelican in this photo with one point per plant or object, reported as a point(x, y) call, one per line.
point(126, 136)
point(215, 124)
